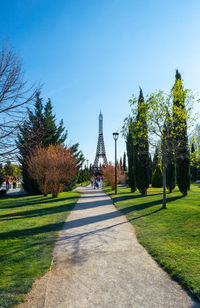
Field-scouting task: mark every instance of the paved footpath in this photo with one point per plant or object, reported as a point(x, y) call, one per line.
point(98, 262)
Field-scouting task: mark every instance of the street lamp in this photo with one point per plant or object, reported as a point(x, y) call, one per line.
point(115, 136)
point(87, 160)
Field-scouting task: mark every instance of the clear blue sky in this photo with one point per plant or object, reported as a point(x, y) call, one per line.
point(92, 55)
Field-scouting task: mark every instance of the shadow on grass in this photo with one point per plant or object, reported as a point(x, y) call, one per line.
point(38, 212)
point(26, 202)
point(32, 231)
point(131, 196)
point(139, 207)
point(78, 222)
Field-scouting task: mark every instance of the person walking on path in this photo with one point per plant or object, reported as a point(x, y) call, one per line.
point(14, 181)
point(98, 262)
point(7, 183)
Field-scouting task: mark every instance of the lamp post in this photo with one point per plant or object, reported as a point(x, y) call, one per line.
point(115, 136)
point(87, 160)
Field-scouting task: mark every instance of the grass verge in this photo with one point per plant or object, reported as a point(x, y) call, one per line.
point(171, 236)
point(29, 227)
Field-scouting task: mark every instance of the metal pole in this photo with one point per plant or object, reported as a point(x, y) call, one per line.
point(115, 167)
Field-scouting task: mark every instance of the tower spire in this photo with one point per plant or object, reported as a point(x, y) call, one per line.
point(100, 144)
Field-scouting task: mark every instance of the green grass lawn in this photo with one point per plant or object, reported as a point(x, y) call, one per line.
point(29, 226)
point(171, 236)
point(85, 183)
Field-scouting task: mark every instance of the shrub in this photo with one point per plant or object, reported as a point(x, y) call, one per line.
point(109, 174)
point(52, 168)
point(157, 177)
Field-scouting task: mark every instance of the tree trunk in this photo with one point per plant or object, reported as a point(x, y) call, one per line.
point(164, 186)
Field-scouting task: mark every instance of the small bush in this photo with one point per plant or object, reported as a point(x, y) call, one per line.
point(109, 175)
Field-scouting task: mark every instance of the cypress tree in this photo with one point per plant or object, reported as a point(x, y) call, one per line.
point(38, 129)
point(193, 168)
point(182, 156)
point(157, 177)
point(156, 159)
point(131, 153)
point(124, 162)
point(198, 169)
point(150, 169)
point(142, 157)
point(170, 166)
point(120, 163)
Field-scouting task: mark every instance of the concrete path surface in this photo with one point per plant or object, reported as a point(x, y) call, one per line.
point(98, 262)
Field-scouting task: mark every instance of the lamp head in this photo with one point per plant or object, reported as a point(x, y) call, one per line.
point(115, 136)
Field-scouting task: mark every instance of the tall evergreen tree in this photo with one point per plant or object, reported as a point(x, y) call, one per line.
point(157, 177)
point(120, 163)
point(39, 129)
point(150, 169)
point(124, 162)
point(53, 134)
point(193, 168)
point(170, 161)
point(142, 160)
point(182, 156)
point(131, 153)
point(156, 159)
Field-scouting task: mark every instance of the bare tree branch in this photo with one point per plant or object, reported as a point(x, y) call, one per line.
point(15, 97)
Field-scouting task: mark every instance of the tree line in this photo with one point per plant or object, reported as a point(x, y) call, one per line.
point(161, 121)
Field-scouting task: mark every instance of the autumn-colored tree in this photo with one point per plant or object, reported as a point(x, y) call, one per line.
point(52, 167)
point(109, 174)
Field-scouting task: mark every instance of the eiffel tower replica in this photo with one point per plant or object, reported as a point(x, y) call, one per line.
point(100, 153)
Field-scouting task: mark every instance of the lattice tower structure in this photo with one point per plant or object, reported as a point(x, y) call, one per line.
point(101, 152)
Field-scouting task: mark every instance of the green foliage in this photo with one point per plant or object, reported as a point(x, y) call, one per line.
point(8, 168)
point(157, 177)
point(120, 163)
point(38, 129)
point(182, 156)
point(142, 145)
point(83, 176)
point(16, 170)
point(124, 162)
point(170, 177)
point(131, 153)
point(171, 236)
point(79, 157)
point(2, 175)
point(194, 164)
point(150, 169)
point(156, 159)
point(168, 153)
